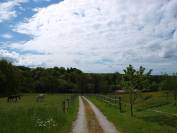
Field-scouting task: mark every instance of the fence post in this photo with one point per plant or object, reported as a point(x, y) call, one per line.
point(120, 104)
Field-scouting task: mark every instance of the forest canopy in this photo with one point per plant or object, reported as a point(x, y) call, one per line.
point(21, 79)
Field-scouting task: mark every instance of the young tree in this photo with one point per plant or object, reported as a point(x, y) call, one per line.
point(134, 81)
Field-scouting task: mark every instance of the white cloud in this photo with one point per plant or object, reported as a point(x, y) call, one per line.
point(10, 56)
point(80, 33)
point(7, 36)
point(7, 10)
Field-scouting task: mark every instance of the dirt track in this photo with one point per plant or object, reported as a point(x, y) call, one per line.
point(91, 120)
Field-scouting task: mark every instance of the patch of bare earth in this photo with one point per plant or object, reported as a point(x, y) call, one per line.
point(92, 122)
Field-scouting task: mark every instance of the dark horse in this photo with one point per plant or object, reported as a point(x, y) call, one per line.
point(13, 98)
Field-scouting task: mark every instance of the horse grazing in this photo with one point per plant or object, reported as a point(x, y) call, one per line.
point(40, 97)
point(13, 98)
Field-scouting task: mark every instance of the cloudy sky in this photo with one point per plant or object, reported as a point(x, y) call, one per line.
point(92, 35)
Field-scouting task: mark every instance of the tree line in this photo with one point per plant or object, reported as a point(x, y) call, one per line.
point(21, 79)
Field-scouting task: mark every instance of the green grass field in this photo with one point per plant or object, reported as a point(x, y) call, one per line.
point(29, 116)
point(145, 119)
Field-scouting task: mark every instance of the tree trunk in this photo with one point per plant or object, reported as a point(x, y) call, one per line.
point(131, 102)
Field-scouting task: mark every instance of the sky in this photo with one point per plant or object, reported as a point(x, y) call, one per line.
point(99, 36)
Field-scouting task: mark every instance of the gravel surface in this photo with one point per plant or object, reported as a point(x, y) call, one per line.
point(107, 126)
point(80, 125)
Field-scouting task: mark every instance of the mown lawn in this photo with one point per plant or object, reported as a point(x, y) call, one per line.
point(29, 116)
point(145, 120)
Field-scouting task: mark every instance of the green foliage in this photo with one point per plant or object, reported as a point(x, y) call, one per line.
point(135, 81)
point(9, 78)
point(20, 79)
point(170, 84)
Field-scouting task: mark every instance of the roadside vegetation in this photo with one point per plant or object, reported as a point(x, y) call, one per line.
point(27, 115)
point(151, 115)
point(149, 102)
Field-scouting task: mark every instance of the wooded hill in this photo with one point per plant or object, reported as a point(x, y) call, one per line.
point(20, 79)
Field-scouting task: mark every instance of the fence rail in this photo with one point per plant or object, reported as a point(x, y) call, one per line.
point(118, 102)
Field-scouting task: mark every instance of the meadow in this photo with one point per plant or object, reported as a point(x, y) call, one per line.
point(154, 113)
point(27, 115)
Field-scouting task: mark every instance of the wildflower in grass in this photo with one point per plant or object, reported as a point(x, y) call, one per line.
point(48, 123)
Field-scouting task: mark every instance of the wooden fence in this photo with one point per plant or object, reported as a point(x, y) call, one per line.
point(115, 101)
point(118, 102)
point(68, 102)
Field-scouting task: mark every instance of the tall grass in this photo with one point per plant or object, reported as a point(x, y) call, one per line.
point(144, 121)
point(27, 115)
